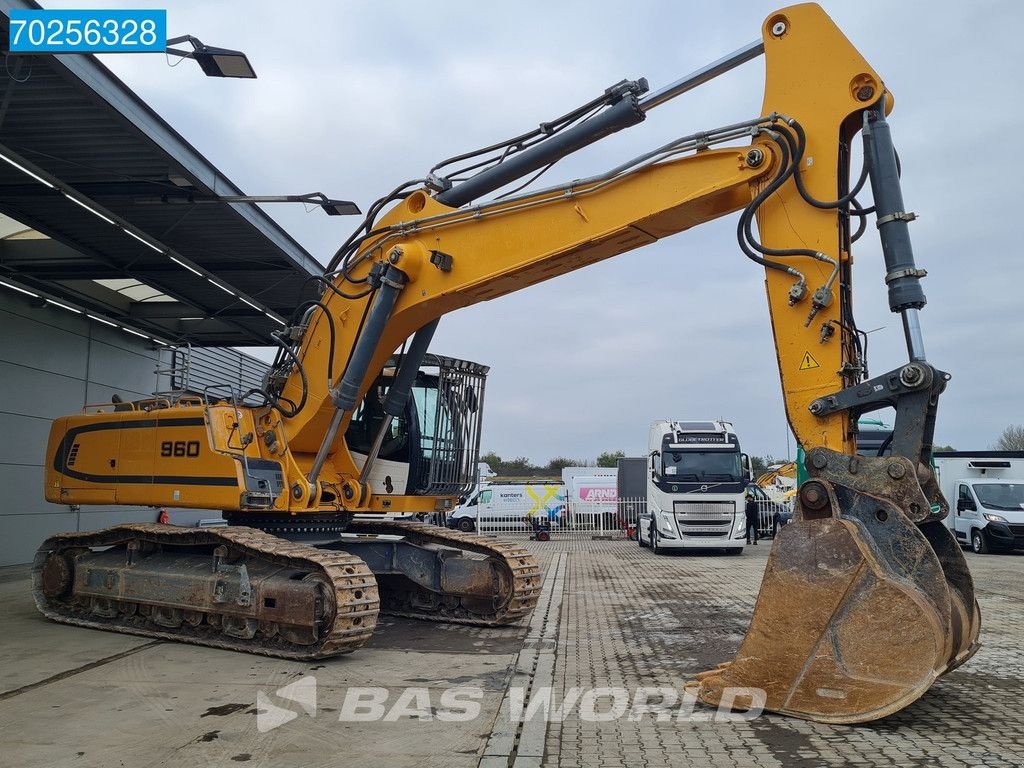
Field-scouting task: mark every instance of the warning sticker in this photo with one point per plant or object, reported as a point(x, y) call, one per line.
point(808, 362)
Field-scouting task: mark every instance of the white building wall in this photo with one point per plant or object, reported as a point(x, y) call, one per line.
point(52, 363)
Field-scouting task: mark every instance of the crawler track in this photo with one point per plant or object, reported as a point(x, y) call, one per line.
point(518, 583)
point(337, 589)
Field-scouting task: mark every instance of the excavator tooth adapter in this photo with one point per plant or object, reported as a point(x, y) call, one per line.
point(866, 599)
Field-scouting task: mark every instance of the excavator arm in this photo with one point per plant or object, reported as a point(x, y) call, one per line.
point(866, 599)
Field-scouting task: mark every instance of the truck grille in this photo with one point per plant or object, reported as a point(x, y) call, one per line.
point(706, 519)
point(701, 510)
point(1017, 530)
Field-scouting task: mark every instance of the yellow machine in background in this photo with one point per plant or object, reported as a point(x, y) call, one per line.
point(866, 599)
point(775, 479)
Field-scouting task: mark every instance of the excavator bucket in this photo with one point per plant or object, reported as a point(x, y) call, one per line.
point(860, 611)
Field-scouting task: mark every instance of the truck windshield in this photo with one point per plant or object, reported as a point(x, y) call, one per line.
point(1008, 496)
point(701, 466)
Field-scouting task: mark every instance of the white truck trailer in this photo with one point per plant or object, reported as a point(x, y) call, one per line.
point(696, 485)
point(591, 498)
point(985, 491)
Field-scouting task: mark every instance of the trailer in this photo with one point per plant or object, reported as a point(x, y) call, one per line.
point(631, 483)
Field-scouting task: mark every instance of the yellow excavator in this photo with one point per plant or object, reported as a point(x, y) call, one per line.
point(866, 599)
point(770, 479)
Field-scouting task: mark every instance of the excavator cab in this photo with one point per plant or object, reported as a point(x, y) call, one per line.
point(431, 448)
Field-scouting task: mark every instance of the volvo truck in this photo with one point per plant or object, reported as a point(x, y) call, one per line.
point(696, 486)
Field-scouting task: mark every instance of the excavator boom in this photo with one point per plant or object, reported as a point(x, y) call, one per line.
point(866, 599)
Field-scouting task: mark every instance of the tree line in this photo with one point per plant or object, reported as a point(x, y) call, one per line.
point(523, 466)
point(1011, 439)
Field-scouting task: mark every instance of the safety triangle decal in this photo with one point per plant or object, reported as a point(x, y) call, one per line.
point(808, 362)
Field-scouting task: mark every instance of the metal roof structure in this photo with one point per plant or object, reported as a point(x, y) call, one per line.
point(101, 185)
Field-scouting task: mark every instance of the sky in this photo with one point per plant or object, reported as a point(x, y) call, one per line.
point(353, 98)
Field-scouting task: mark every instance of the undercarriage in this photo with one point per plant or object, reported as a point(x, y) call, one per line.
point(245, 589)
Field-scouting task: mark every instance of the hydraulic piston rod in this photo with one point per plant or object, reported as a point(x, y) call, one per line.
point(704, 74)
point(628, 110)
point(390, 283)
point(399, 391)
point(906, 296)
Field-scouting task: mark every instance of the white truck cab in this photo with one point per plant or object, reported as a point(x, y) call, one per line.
point(985, 491)
point(696, 487)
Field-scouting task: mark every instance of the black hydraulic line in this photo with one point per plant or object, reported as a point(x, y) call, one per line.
point(744, 231)
point(330, 322)
point(622, 114)
point(366, 224)
point(862, 214)
point(302, 375)
point(329, 285)
point(798, 146)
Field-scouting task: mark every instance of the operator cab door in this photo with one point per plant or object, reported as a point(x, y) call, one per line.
point(966, 511)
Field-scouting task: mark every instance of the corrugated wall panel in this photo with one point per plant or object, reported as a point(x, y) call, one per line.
point(52, 362)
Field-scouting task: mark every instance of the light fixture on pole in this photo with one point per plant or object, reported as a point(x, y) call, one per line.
point(330, 206)
point(215, 62)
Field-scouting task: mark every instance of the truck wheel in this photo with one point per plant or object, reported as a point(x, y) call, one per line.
point(979, 542)
point(466, 525)
point(654, 542)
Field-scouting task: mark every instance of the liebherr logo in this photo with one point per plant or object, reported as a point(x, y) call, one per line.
point(270, 716)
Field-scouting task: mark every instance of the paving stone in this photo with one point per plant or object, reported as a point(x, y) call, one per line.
point(631, 619)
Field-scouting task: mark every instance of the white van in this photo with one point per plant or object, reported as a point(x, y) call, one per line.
point(985, 491)
point(497, 508)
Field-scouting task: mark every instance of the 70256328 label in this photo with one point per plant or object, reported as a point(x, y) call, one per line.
point(88, 31)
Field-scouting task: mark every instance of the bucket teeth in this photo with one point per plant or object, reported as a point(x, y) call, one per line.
point(859, 612)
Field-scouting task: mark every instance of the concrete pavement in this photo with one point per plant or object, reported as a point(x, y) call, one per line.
point(613, 618)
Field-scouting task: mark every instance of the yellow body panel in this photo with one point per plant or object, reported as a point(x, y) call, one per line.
point(158, 458)
point(815, 75)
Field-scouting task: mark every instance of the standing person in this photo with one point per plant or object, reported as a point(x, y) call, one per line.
point(752, 515)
